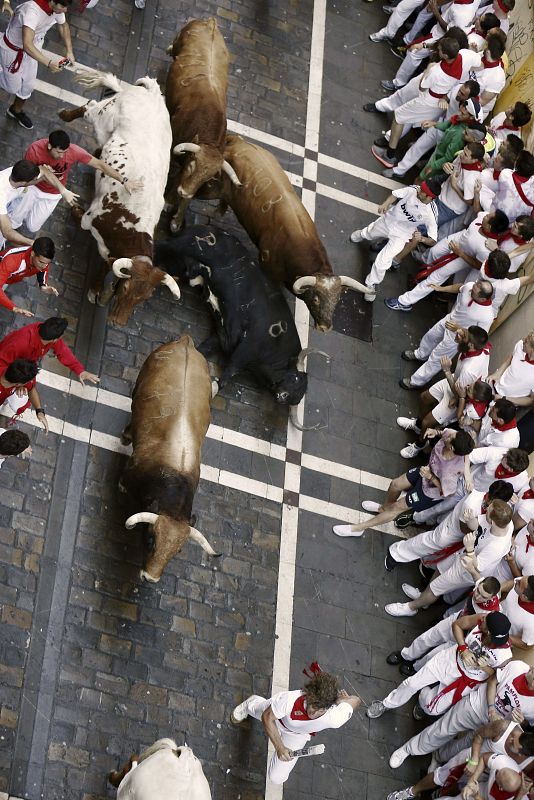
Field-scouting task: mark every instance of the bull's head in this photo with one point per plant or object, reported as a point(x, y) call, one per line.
point(137, 280)
point(321, 294)
point(169, 537)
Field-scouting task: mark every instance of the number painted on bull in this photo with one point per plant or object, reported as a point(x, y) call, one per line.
point(277, 329)
point(210, 240)
point(270, 203)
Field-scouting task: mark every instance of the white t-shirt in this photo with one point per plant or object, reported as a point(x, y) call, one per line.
point(30, 15)
point(7, 192)
point(502, 287)
point(507, 245)
point(495, 655)
point(518, 379)
point(442, 83)
point(491, 79)
point(284, 704)
point(508, 697)
point(457, 15)
point(466, 184)
point(471, 501)
point(525, 506)
point(521, 620)
point(490, 549)
point(524, 552)
point(466, 311)
point(472, 368)
point(409, 212)
point(499, 133)
point(490, 436)
point(473, 239)
point(485, 461)
point(508, 199)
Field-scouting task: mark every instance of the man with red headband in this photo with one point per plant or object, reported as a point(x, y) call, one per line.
point(21, 50)
point(407, 214)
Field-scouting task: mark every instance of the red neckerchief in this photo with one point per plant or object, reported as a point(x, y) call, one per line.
point(487, 235)
point(487, 302)
point(518, 180)
point(502, 473)
point(298, 712)
point(455, 120)
point(489, 64)
point(480, 406)
point(500, 794)
point(496, 173)
point(472, 353)
point(462, 2)
point(529, 543)
point(508, 126)
point(507, 426)
point(528, 495)
point(44, 6)
point(477, 166)
point(454, 69)
point(527, 360)
point(521, 684)
point(528, 605)
point(503, 237)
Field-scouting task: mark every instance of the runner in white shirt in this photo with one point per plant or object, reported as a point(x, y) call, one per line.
point(21, 50)
point(520, 560)
point(492, 77)
point(472, 307)
point(455, 253)
point(497, 777)
point(290, 719)
point(458, 191)
point(515, 190)
point(405, 211)
point(496, 270)
point(13, 182)
point(515, 377)
point(499, 426)
point(491, 463)
point(524, 508)
point(518, 606)
point(510, 121)
point(517, 242)
point(481, 646)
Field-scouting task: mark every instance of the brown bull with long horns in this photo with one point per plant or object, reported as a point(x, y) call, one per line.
point(170, 417)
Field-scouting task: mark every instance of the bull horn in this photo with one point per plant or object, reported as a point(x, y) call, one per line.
point(186, 147)
point(143, 516)
point(171, 285)
point(298, 425)
point(307, 351)
point(230, 171)
point(304, 283)
point(200, 539)
point(350, 283)
point(121, 264)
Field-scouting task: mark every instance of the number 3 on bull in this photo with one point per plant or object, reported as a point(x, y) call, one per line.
point(270, 203)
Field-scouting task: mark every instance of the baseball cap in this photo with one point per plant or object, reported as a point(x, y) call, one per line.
point(498, 626)
point(473, 107)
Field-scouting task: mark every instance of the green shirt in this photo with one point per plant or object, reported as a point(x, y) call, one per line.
point(451, 142)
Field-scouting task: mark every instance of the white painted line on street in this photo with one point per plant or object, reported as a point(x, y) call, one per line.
point(347, 199)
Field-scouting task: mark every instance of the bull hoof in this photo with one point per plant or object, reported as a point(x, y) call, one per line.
point(125, 441)
point(101, 301)
point(176, 225)
point(92, 296)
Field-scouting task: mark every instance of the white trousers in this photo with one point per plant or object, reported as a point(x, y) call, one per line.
point(436, 342)
point(439, 634)
point(33, 208)
point(421, 20)
point(424, 544)
point(424, 288)
point(399, 16)
point(467, 715)
point(399, 97)
point(410, 63)
point(277, 771)
point(19, 83)
point(379, 229)
point(426, 142)
point(441, 669)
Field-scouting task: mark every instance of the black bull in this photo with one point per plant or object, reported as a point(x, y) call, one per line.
point(254, 325)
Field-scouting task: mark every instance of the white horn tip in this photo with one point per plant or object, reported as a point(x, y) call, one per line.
point(146, 577)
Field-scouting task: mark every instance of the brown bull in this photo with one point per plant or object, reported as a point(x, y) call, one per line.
point(195, 91)
point(170, 417)
point(277, 222)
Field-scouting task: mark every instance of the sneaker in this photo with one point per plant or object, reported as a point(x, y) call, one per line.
point(398, 758)
point(239, 713)
point(376, 709)
point(411, 591)
point(346, 530)
point(411, 450)
point(390, 173)
point(393, 304)
point(139, 3)
point(408, 424)
point(22, 118)
point(407, 669)
point(356, 236)
point(417, 713)
point(402, 794)
point(395, 265)
point(376, 37)
point(395, 658)
point(404, 520)
point(399, 50)
point(405, 383)
point(371, 506)
point(389, 86)
point(381, 141)
point(389, 562)
point(409, 355)
point(369, 107)
point(381, 154)
point(400, 610)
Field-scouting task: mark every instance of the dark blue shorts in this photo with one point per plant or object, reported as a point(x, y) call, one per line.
point(415, 498)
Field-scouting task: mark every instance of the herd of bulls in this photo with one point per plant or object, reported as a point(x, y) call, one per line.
point(181, 151)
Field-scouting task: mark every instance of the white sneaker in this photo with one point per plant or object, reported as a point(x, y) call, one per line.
point(356, 236)
point(239, 713)
point(408, 424)
point(411, 450)
point(346, 530)
point(376, 709)
point(411, 591)
point(400, 610)
point(376, 37)
point(398, 758)
point(371, 506)
point(370, 296)
point(402, 794)
point(139, 3)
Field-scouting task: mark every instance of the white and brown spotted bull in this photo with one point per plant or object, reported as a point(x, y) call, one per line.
point(170, 417)
point(133, 131)
point(196, 87)
point(163, 771)
point(289, 246)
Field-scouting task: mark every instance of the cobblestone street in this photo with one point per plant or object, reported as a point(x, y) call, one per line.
point(94, 663)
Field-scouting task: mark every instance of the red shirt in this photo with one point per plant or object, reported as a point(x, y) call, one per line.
point(14, 266)
point(26, 343)
point(38, 153)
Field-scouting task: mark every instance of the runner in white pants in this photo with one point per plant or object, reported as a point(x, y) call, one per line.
point(291, 718)
point(400, 15)
point(509, 691)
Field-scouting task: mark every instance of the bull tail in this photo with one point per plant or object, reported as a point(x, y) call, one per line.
point(93, 78)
